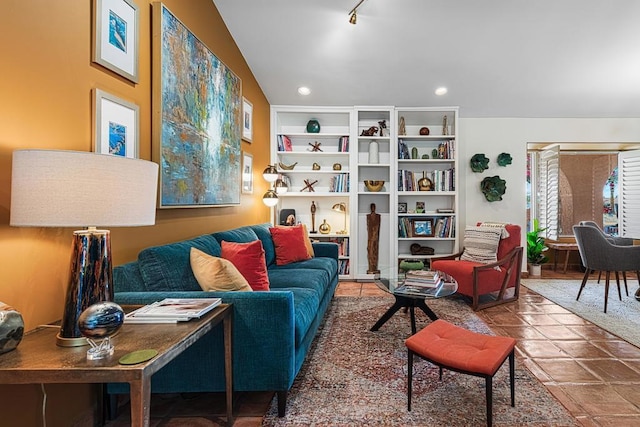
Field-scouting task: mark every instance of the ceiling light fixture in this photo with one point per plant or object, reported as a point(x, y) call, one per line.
point(352, 13)
point(441, 91)
point(303, 90)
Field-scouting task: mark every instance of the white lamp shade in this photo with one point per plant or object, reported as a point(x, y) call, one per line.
point(52, 188)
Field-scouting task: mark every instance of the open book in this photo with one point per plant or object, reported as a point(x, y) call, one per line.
point(172, 310)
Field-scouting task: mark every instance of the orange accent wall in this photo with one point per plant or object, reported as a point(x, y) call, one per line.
point(46, 78)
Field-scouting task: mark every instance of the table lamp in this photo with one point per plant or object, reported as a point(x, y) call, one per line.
point(341, 207)
point(54, 188)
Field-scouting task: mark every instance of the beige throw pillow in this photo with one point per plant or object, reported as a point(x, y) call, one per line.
point(481, 244)
point(216, 274)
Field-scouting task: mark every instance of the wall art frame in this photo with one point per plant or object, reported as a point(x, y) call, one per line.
point(197, 118)
point(247, 173)
point(247, 120)
point(115, 34)
point(116, 125)
point(422, 227)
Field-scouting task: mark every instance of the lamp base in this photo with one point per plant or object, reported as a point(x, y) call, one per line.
point(342, 232)
point(90, 282)
point(71, 342)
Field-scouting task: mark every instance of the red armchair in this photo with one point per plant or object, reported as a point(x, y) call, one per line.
point(483, 283)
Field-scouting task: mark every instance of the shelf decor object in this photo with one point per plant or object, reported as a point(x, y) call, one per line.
point(313, 126)
point(11, 328)
point(373, 185)
point(115, 36)
point(52, 188)
point(374, 153)
point(99, 322)
point(324, 228)
point(493, 188)
point(197, 143)
point(342, 208)
point(479, 163)
point(504, 159)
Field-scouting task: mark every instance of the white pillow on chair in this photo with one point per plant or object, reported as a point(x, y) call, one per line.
point(481, 244)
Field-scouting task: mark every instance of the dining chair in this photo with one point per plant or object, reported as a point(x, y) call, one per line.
point(599, 254)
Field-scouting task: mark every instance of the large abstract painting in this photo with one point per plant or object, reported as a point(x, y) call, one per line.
point(197, 119)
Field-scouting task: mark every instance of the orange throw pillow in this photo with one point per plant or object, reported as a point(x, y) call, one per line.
point(290, 244)
point(249, 259)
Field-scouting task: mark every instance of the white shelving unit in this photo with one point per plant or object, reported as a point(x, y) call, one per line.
point(366, 167)
point(291, 152)
point(426, 217)
point(291, 145)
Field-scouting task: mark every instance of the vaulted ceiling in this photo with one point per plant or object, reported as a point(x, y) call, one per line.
point(498, 58)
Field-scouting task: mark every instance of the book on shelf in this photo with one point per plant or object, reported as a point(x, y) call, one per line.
point(173, 310)
point(284, 143)
point(423, 277)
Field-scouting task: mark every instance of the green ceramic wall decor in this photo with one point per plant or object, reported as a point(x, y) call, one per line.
point(493, 188)
point(479, 162)
point(504, 159)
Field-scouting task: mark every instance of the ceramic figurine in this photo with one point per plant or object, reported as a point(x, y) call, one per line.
point(11, 328)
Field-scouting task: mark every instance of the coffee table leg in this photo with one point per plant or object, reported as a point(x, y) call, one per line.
point(140, 395)
point(425, 308)
point(228, 368)
point(392, 310)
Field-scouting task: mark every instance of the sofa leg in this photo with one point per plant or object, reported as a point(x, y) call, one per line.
point(282, 403)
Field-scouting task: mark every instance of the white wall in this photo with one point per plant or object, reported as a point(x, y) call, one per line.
point(511, 135)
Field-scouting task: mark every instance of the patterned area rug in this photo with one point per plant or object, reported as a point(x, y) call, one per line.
point(354, 377)
point(622, 317)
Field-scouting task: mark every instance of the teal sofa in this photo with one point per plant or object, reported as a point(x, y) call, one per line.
point(272, 330)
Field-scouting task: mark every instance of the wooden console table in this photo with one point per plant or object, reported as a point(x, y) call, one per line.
point(567, 247)
point(39, 360)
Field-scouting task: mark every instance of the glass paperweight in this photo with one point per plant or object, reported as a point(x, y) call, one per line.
point(97, 324)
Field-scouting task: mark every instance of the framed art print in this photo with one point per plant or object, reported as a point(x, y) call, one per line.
point(247, 120)
point(197, 118)
point(423, 228)
point(115, 36)
point(115, 124)
point(402, 207)
point(247, 173)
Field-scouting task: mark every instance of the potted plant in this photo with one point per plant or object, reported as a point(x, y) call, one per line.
point(536, 249)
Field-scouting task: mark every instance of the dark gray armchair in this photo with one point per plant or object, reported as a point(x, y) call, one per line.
point(599, 254)
point(620, 241)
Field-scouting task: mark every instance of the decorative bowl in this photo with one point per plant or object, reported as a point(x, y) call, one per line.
point(373, 186)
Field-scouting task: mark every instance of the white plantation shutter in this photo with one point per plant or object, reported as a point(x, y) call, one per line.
point(549, 191)
point(629, 194)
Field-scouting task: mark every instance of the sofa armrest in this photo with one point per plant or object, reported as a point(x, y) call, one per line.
point(263, 331)
point(325, 249)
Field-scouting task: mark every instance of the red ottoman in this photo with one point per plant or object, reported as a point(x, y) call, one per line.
point(457, 349)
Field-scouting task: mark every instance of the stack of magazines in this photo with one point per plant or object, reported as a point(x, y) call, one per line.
point(421, 283)
point(173, 310)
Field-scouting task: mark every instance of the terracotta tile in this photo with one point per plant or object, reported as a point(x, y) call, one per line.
point(615, 421)
point(582, 349)
point(566, 401)
point(599, 399)
point(566, 370)
point(506, 318)
point(536, 370)
point(538, 319)
point(552, 309)
point(592, 332)
point(540, 349)
point(630, 392)
point(569, 319)
point(557, 332)
point(522, 332)
point(619, 349)
point(611, 370)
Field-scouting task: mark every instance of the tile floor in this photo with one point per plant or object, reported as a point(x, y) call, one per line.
point(593, 373)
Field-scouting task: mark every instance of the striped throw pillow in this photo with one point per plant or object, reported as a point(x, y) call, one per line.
point(481, 244)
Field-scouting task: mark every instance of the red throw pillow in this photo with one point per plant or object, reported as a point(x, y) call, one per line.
point(290, 244)
point(249, 259)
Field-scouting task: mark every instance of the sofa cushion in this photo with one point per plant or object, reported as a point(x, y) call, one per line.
point(168, 268)
point(249, 259)
point(237, 235)
point(328, 265)
point(290, 244)
point(287, 278)
point(263, 233)
point(481, 244)
point(216, 274)
point(306, 303)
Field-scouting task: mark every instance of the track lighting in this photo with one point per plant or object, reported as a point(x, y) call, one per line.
point(352, 13)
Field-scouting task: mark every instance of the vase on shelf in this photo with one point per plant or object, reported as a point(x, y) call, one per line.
point(374, 154)
point(313, 126)
point(324, 228)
